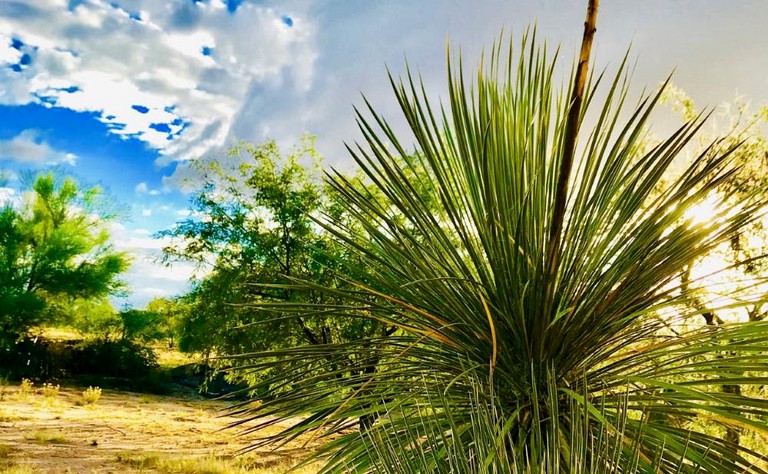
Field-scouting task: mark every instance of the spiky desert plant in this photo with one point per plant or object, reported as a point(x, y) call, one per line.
point(431, 441)
point(556, 304)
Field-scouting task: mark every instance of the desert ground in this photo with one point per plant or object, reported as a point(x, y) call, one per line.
point(56, 431)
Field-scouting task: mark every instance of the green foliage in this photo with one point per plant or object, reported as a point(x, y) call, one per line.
point(571, 336)
point(122, 358)
point(94, 317)
point(54, 246)
point(47, 359)
point(424, 445)
point(99, 319)
point(169, 318)
point(253, 225)
point(144, 325)
point(745, 269)
point(747, 130)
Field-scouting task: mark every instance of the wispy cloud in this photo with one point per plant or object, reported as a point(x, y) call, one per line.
point(149, 279)
point(29, 148)
point(148, 276)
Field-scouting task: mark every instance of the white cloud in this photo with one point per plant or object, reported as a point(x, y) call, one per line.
point(30, 149)
point(140, 64)
point(116, 228)
point(8, 54)
point(143, 188)
point(147, 276)
point(141, 245)
point(146, 212)
point(178, 272)
point(133, 243)
point(7, 196)
point(154, 292)
point(149, 279)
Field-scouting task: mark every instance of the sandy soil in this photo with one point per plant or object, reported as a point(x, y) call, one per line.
point(55, 435)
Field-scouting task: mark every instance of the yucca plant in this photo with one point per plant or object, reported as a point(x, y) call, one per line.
point(543, 294)
point(422, 444)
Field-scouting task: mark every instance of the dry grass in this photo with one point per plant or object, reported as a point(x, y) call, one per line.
point(5, 458)
point(204, 465)
point(5, 417)
point(17, 469)
point(46, 437)
point(59, 333)
point(169, 358)
point(129, 433)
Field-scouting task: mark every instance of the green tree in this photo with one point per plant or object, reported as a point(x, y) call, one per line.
point(53, 246)
point(252, 226)
point(170, 313)
point(140, 324)
point(549, 293)
point(95, 317)
point(741, 256)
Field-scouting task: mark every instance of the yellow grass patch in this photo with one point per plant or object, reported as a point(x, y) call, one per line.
point(130, 433)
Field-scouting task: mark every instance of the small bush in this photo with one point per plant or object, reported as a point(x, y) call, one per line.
point(27, 386)
point(91, 395)
point(50, 391)
point(120, 364)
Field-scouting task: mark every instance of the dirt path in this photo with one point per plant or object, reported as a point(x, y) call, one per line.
point(125, 432)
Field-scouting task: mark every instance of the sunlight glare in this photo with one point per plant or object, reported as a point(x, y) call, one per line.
point(703, 212)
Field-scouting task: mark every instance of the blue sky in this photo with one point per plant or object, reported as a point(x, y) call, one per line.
point(123, 93)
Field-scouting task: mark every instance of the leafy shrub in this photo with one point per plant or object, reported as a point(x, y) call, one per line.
point(26, 386)
point(425, 445)
point(91, 395)
point(141, 325)
point(209, 381)
point(36, 357)
point(46, 359)
point(121, 358)
point(50, 391)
